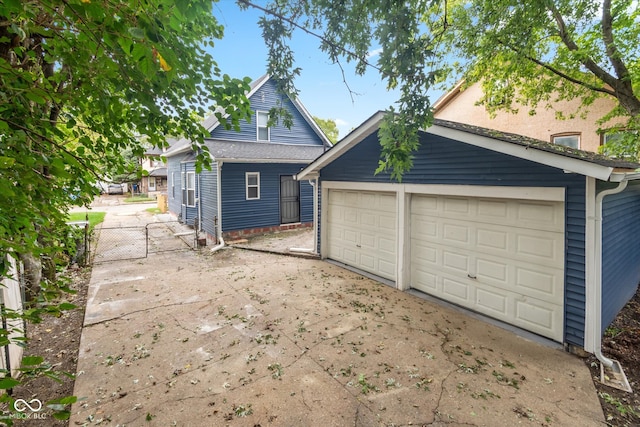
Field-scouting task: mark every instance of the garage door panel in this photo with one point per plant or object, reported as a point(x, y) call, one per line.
point(494, 302)
point(536, 317)
point(454, 205)
point(482, 254)
point(455, 290)
point(457, 262)
point(362, 230)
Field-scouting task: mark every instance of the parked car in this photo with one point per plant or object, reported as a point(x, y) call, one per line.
point(115, 189)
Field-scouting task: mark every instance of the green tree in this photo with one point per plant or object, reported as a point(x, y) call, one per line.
point(532, 51)
point(81, 81)
point(329, 128)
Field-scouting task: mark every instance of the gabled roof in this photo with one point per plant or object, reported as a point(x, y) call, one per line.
point(262, 152)
point(157, 152)
point(571, 160)
point(158, 172)
point(210, 123)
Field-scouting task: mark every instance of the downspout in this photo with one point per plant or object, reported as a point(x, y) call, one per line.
point(606, 362)
point(220, 245)
point(314, 249)
point(199, 204)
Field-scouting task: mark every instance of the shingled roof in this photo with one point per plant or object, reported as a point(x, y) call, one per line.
point(262, 151)
point(539, 145)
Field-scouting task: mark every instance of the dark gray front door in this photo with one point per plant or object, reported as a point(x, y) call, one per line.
point(289, 200)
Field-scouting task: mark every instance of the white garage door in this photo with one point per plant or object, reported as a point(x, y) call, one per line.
point(362, 230)
point(503, 258)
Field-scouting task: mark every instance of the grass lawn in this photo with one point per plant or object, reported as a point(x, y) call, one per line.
point(95, 218)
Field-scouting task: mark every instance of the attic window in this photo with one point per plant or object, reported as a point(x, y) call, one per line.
point(262, 121)
point(571, 140)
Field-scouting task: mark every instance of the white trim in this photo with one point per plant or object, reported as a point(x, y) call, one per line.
point(553, 194)
point(362, 186)
point(590, 265)
point(191, 189)
point(324, 206)
point(525, 152)
point(570, 164)
point(403, 239)
point(247, 186)
point(258, 113)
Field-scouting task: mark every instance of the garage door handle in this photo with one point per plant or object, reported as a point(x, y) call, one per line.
point(358, 246)
point(471, 276)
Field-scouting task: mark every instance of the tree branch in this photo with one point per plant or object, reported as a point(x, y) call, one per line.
point(589, 63)
point(311, 33)
point(612, 51)
point(559, 73)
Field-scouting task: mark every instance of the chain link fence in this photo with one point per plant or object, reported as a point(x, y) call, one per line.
point(123, 243)
point(120, 243)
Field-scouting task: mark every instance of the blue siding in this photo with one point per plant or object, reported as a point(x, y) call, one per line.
point(263, 100)
point(620, 250)
point(209, 199)
point(444, 161)
point(239, 213)
point(174, 194)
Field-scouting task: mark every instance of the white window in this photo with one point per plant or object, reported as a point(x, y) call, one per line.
point(152, 183)
point(252, 180)
point(183, 187)
point(173, 185)
point(568, 140)
point(191, 188)
point(262, 121)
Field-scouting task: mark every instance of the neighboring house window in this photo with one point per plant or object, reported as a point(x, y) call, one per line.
point(152, 183)
point(262, 121)
point(191, 188)
point(612, 137)
point(567, 139)
point(253, 185)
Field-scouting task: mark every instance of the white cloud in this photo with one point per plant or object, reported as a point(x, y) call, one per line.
point(374, 52)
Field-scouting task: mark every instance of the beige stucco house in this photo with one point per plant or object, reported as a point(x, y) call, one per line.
point(460, 105)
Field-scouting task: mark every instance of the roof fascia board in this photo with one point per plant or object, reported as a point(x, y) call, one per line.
point(367, 128)
point(528, 153)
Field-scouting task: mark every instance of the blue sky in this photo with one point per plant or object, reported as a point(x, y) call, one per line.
point(322, 90)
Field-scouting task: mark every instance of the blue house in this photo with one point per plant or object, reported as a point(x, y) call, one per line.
point(250, 188)
point(537, 236)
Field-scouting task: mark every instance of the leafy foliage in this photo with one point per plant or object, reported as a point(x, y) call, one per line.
point(533, 52)
point(329, 128)
point(81, 83)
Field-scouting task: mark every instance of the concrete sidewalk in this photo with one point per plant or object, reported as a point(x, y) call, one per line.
point(243, 338)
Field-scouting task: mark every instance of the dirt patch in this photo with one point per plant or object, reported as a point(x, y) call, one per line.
point(622, 343)
point(57, 339)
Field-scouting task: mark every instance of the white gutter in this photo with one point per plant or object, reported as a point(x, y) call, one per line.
point(219, 195)
point(313, 250)
point(597, 329)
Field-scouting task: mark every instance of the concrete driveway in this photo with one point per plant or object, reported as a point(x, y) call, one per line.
point(243, 338)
